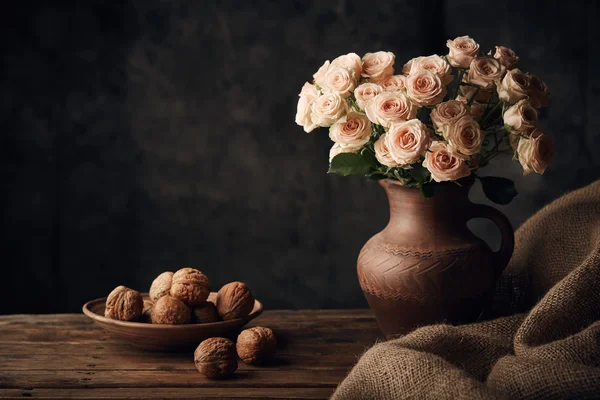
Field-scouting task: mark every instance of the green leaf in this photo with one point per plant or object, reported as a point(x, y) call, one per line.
point(350, 164)
point(419, 173)
point(369, 157)
point(427, 189)
point(499, 190)
point(376, 176)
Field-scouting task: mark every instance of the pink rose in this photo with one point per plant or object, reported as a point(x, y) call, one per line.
point(483, 95)
point(538, 91)
point(444, 163)
point(319, 76)
point(382, 153)
point(513, 87)
point(462, 51)
point(435, 64)
point(476, 109)
point(352, 130)
point(425, 88)
point(506, 56)
point(447, 112)
point(394, 82)
point(521, 116)
point(483, 71)
point(464, 136)
point(377, 66)
point(365, 93)
point(390, 107)
point(308, 94)
point(339, 79)
point(408, 66)
point(407, 141)
point(350, 61)
point(327, 109)
point(536, 152)
point(337, 149)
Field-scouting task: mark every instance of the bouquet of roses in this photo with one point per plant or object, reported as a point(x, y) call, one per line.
point(441, 119)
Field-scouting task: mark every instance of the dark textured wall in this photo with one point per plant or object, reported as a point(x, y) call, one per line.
point(141, 136)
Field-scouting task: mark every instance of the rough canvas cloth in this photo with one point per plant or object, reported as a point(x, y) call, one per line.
point(547, 344)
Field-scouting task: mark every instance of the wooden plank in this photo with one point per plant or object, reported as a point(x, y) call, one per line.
point(243, 378)
point(175, 393)
point(334, 314)
point(107, 348)
point(320, 358)
point(289, 330)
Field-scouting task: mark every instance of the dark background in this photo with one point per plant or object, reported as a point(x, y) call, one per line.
point(142, 136)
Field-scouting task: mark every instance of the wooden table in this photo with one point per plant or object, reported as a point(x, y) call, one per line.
point(68, 356)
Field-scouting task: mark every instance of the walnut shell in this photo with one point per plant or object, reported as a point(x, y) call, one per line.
point(234, 300)
point(170, 311)
point(205, 313)
point(147, 312)
point(256, 345)
point(215, 358)
point(190, 286)
point(161, 286)
point(124, 304)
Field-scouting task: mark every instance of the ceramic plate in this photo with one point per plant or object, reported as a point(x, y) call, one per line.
point(166, 337)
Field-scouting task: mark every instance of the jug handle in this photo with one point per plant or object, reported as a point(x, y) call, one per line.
point(508, 237)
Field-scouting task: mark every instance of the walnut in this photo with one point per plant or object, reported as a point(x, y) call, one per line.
point(234, 300)
point(256, 345)
point(205, 313)
point(215, 358)
point(190, 286)
point(170, 311)
point(124, 304)
point(161, 286)
point(147, 311)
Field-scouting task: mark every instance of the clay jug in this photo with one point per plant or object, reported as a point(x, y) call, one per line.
point(426, 266)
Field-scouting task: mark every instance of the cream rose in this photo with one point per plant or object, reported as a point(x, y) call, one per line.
point(465, 136)
point(337, 149)
point(339, 79)
point(476, 109)
point(308, 94)
point(377, 66)
point(483, 95)
point(394, 82)
point(506, 56)
point(327, 109)
point(447, 112)
point(390, 107)
point(352, 130)
point(535, 152)
point(444, 163)
point(483, 71)
point(425, 88)
point(407, 67)
point(319, 76)
point(435, 64)
point(513, 87)
point(382, 153)
point(462, 51)
point(538, 91)
point(521, 116)
point(407, 141)
point(350, 61)
point(365, 93)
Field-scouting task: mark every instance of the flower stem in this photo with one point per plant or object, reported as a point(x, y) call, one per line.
point(491, 112)
point(460, 76)
point(473, 97)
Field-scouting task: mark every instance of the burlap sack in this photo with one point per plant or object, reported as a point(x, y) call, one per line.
point(551, 350)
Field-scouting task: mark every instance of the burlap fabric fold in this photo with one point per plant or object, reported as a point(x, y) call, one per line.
point(547, 346)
